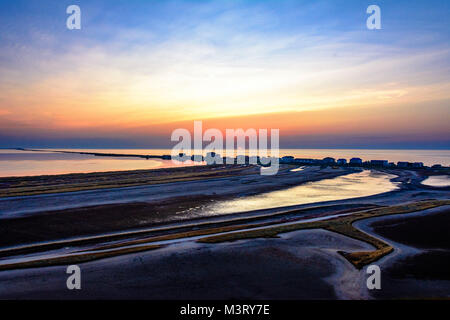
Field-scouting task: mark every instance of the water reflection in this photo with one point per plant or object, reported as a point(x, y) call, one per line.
point(437, 181)
point(354, 185)
point(28, 163)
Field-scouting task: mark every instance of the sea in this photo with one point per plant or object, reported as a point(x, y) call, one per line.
point(47, 162)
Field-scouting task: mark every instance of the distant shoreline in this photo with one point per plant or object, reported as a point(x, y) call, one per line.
point(374, 163)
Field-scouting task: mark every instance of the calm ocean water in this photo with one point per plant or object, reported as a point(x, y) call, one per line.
point(26, 163)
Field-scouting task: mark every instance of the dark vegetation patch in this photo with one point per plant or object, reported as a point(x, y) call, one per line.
point(430, 265)
point(429, 231)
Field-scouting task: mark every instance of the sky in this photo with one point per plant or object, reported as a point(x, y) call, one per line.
point(137, 70)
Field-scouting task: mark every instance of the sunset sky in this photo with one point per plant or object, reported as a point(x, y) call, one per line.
point(139, 69)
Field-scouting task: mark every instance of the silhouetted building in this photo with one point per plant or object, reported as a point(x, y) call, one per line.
point(403, 164)
point(328, 160)
point(253, 159)
point(213, 158)
point(241, 159)
point(356, 161)
point(417, 165)
point(303, 161)
point(379, 163)
point(197, 157)
point(287, 159)
point(229, 160)
point(341, 161)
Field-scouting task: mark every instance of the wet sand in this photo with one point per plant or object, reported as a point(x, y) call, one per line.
point(419, 267)
point(57, 184)
point(297, 265)
point(29, 219)
point(248, 269)
point(420, 231)
point(217, 182)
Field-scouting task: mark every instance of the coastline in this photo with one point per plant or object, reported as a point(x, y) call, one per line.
point(104, 234)
point(224, 182)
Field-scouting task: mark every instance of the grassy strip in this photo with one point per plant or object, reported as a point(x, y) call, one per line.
point(75, 258)
point(181, 235)
point(207, 231)
point(203, 228)
point(342, 225)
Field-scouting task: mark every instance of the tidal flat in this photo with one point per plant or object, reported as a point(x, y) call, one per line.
point(159, 240)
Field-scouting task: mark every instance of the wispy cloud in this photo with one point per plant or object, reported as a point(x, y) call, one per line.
point(184, 60)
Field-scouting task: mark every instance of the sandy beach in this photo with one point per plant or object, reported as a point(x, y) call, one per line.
point(132, 242)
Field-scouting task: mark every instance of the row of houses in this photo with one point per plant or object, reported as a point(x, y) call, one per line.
point(354, 162)
point(212, 158)
point(326, 161)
